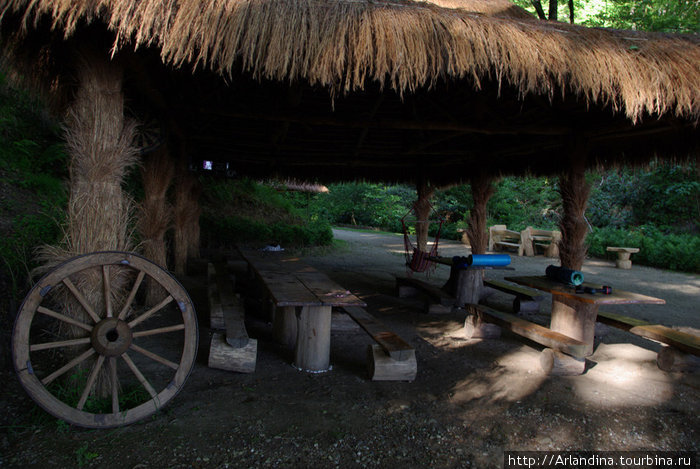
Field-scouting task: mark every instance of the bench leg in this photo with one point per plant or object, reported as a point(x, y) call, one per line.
point(525, 306)
point(671, 359)
point(470, 283)
point(381, 367)
point(284, 325)
point(475, 328)
point(574, 319)
point(623, 260)
point(313, 344)
point(555, 363)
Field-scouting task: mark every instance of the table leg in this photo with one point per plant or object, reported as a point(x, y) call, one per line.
point(574, 319)
point(284, 325)
point(313, 347)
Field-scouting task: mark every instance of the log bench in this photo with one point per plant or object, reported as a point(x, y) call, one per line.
point(623, 256)
point(392, 359)
point(526, 299)
point(438, 301)
point(563, 355)
point(500, 237)
point(231, 350)
point(534, 240)
point(681, 350)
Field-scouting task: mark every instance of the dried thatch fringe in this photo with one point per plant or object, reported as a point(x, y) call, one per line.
point(482, 190)
point(405, 45)
point(574, 190)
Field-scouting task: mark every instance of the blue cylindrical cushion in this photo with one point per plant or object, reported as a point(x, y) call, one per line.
point(564, 275)
point(488, 260)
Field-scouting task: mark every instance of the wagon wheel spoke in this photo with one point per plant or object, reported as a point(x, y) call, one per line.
point(132, 295)
point(107, 290)
point(142, 379)
point(160, 330)
point(114, 379)
point(59, 344)
point(90, 382)
point(64, 318)
point(154, 356)
point(48, 334)
point(150, 312)
point(81, 299)
point(68, 366)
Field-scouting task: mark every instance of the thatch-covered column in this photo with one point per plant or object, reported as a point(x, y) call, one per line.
point(155, 213)
point(187, 211)
point(482, 190)
point(422, 208)
point(99, 143)
point(574, 191)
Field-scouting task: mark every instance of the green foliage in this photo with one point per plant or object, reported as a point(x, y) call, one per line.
point(678, 16)
point(243, 211)
point(657, 248)
point(522, 202)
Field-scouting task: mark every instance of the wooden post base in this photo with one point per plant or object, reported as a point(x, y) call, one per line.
point(475, 328)
point(313, 344)
point(216, 313)
point(672, 359)
point(555, 363)
point(224, 357)
point(381, 367)
point(470, 283)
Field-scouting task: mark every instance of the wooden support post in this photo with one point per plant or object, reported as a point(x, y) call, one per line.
point(574, 319)
point(482, 190)
point(672, 359)
point(381, 367)
point(313, 344)
point(225, 357)
point(422, 209)
point(470, 283)
point(475, 328)
point(284, 325)
point(556, 363)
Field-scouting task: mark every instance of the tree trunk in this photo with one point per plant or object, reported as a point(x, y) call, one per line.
point(574, 193)
point(422, 209)
point(538, 8)
point(553, 10)
point(482, 190)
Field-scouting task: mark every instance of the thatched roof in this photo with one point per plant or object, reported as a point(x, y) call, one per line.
point(496, 72)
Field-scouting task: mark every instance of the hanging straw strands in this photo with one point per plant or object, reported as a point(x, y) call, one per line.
point(403, 45)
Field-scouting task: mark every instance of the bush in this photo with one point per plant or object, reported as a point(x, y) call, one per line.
point(657, 248)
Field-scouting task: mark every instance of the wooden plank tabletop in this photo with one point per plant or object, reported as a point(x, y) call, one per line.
point(292, 282)
point(617, 297)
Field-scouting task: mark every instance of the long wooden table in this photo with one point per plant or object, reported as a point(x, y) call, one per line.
point(303, 299)
point(574, 314)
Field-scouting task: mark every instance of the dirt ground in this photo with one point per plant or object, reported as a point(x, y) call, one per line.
point(471, 400)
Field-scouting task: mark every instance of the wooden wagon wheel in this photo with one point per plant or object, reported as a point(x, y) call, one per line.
point(140, 355)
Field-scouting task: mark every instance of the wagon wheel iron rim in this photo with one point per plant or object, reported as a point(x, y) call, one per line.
point(110, 337)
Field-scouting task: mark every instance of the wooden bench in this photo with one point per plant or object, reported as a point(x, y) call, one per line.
point(501, 237)
point(683, 348)
point(564, 355)
point(392, 359)
point(534, 240)
point(623, 256)
point(302, 298)
point(232, 350)
point(439, 301)
point(526, 299)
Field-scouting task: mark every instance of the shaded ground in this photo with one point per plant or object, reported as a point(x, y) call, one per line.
point(471, 400)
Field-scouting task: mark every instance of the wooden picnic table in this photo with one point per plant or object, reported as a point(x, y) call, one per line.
point(574, 314)
point(303, 299)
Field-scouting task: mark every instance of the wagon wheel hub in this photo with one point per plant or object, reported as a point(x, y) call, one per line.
point(111, 337)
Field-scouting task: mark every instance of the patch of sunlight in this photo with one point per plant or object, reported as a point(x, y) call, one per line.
point(517, 374)
point(624, 375)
